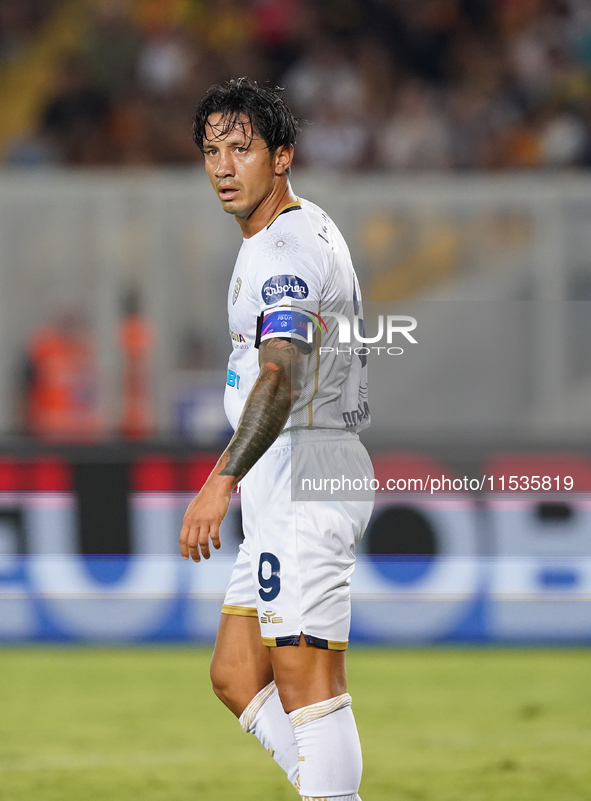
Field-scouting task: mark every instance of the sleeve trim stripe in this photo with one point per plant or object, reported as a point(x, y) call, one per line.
point(240, 611)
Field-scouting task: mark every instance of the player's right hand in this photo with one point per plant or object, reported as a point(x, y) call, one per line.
point(204, 516)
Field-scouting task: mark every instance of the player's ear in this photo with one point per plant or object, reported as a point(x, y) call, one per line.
point(283, 159)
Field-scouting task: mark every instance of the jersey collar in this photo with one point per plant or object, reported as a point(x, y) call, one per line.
point(293, 206)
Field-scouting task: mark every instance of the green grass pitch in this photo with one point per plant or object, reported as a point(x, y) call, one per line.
point(93, 724)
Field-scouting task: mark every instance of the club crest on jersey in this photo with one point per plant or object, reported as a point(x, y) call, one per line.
point(237, 287)
point(281, 244)
point(284, 286)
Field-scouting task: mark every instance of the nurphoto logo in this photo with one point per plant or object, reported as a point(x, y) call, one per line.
point(389, 324)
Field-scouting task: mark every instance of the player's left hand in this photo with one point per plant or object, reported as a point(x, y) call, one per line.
point(204, 516)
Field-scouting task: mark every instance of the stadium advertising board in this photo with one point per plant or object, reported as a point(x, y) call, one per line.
point(434, 566)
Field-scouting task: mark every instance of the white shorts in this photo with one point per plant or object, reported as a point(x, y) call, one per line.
point(294, 567)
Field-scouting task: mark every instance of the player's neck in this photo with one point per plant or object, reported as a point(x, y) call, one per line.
point(281, 195)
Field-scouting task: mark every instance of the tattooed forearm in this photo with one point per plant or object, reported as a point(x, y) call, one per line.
point(267, 408)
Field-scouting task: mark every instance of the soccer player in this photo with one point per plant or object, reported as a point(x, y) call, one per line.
point(279, 658)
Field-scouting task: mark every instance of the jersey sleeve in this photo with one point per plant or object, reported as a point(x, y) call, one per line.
point(287, 285)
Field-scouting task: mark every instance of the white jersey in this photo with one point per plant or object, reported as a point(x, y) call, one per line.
point(289, 281)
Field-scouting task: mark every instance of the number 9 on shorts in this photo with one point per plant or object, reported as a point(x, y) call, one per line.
point(269, 578)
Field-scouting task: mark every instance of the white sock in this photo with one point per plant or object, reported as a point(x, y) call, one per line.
point(266, 719)
point(329, 751)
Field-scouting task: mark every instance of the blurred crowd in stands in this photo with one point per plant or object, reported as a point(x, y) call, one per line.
point(378, 84)
point(19, 21)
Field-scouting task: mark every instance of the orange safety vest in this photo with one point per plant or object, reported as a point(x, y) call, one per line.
point(137, 339)
point(62, 401)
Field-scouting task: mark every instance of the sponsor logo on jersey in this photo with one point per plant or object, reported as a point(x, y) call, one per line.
point(284, 286)
point(233, 379)
point(237, 287)
point(238, 341)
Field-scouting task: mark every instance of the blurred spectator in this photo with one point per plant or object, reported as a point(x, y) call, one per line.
point(19, 20)
point(336, 140)
point(165, 62)
point(523, 147)
point(324, 75)
point(75, 119)
point(137, 339)
point(419, 34)
point(276, 24)
point(130, 130)
point(171, 143)
point(528, 59)
point(429, 29)
point(61, 384)
point(228, 30)
point(563, 138)
point(417, 136)
point(153, 15)
point(111, 49)
point(227, 24)
point(378, 76)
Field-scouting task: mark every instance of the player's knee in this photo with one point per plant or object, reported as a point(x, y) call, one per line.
point(290, 696)
point(301, 684)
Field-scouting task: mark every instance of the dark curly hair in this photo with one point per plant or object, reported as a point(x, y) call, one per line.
point(239, 98)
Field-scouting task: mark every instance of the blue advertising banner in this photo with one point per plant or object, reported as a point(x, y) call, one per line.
point(490, 570)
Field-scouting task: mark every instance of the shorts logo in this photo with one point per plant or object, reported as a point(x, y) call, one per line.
point(237, 287)
point(284, 286)
point(270, 617)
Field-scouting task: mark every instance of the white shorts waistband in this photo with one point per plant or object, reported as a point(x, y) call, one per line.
point(301, 435)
